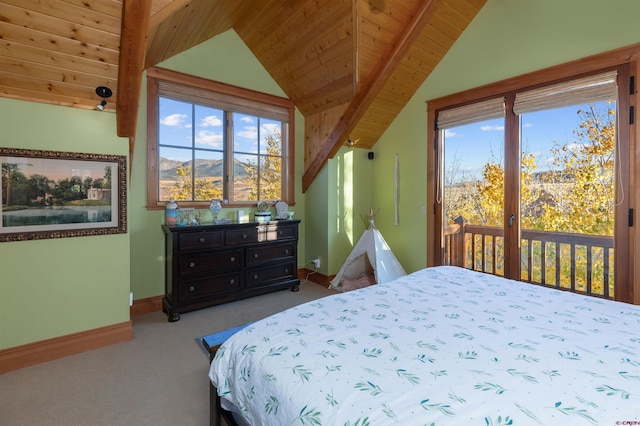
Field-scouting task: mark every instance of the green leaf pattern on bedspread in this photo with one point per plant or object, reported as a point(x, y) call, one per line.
point(441, 346)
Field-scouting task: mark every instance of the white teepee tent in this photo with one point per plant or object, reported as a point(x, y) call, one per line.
point(370, 261)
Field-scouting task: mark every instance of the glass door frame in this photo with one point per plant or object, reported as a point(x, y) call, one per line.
point(623, 267)
point(512, 228)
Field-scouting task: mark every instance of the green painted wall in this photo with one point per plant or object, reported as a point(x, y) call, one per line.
point(226, 59)
point(316, 220)
point(337, 203)
point(55, 287)
point(351, 201)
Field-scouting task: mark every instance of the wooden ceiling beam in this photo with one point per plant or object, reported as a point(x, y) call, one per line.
point(133, 41)
point(152, 56)
point(166, 12)
point(364, 98)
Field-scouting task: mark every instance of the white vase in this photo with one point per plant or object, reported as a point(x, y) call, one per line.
point(215, 208)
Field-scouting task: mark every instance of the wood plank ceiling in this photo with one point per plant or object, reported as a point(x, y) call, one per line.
point(350, 66)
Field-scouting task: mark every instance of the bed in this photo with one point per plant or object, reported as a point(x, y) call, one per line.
point(441, 346)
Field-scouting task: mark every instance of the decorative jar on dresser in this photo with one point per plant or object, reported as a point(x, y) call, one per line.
point(209, 265)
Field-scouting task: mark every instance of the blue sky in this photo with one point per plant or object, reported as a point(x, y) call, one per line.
point(180, 123)
point(473, 145)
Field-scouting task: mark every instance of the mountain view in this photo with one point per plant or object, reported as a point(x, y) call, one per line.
point(168, 168)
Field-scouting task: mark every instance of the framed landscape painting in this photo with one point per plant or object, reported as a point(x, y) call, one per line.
point(53, 194)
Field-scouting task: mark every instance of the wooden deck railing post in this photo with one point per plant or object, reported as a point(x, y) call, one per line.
point(458, 243)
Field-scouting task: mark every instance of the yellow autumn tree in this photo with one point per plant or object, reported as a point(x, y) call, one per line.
point(482, 202)
point(586, 173)
point(265, 181)
point(583, 183)
point(491, 195)
point(575, 197)
point(586, 203)
point(183, 189)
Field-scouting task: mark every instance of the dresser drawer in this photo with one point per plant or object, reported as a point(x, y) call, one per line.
point(269, 253)
point(209, 262)
point(267, 275)
point(241, 236)
point(200, 240)
point(208, 286)
point(277, 232)
point(207, 265)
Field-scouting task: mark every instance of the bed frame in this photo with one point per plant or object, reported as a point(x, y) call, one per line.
point(216, 412)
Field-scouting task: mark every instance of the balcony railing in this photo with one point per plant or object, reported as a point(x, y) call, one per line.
point(576, 262)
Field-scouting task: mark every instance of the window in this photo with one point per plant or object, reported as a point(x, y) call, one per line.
point(530, 183)
point(209, 140)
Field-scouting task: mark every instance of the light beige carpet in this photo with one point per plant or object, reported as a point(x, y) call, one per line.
point(157, 378)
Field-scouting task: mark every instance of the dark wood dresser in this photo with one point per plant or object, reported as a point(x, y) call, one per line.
point(213, 264)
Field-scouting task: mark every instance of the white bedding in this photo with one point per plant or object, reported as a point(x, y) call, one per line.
point(442, 346)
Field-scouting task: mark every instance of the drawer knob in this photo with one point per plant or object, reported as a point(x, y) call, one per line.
point(192, 264)
point(192, 288)
point(202, 239)
point(255, 255)
point(232, 259)
point(232, 281)
point(286, 270)
point(244, 236)
point(255, 276)
point(286, 251)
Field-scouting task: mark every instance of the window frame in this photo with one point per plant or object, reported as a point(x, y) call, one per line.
point(213, 93)
point(625, 62)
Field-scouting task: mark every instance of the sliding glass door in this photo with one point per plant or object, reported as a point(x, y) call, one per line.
point(531, 185)
point(473, 186)
point(568, 181)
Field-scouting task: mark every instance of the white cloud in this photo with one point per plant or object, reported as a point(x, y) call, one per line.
point(173, 120)
point(271, 128)
point(211, 139)
point(211, 121)
point(249, 132)
point(574, 146)
point(552, 162)
point(492, 128)
point(449, 134)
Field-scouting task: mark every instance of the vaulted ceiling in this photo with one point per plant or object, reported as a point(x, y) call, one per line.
point(350, 66)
